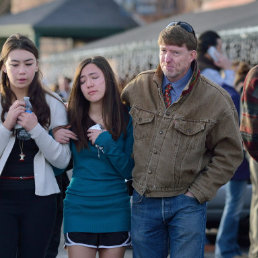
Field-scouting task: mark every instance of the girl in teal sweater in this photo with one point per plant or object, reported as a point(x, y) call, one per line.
point(97, 205)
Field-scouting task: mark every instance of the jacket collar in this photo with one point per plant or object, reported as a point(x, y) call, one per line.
point(158, 76)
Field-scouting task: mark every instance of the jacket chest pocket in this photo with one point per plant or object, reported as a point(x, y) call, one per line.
point(190, 133)
point(143, 123)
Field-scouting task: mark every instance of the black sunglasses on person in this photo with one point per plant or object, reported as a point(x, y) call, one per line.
point(186, 26)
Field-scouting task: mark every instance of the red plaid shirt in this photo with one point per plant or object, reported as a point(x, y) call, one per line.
point(249, 116)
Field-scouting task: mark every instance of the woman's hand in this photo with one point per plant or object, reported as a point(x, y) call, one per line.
point(93, 134)
point(224, 63)
point(16, 109)
point(27, 120)
point(63, 134)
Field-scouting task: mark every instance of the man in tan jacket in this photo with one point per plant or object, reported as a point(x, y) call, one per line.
point(186, 145)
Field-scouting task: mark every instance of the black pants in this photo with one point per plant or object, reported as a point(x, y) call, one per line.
point(26, 223)
point(63, 182)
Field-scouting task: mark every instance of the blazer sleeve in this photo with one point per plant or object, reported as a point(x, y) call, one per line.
point(55, 153)
point(5, 135)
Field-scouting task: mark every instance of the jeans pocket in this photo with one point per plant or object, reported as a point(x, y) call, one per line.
point(137, 198)
point(190, 199)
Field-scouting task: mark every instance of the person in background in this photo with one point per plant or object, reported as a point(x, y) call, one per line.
point(227, 237)
point(213, 64)
point(241, 71)
point(28, 187)
point(186, 145)
point(97, 205)
point(249, 132)
point(64, 88)
point(54, 87)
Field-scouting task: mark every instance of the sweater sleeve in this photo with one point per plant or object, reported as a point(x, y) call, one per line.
point(119, 155)
point(249, 115)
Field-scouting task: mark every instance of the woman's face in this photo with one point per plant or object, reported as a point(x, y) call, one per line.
point(219, 45)
point(93, 85)
point(20, 67)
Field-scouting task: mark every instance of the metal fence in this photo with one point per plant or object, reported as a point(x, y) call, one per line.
point(128, 60)
point(241, 46)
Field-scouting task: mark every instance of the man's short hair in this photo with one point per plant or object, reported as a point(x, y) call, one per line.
point(177, 36)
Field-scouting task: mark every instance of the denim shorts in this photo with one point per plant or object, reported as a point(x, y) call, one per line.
point(98, 240)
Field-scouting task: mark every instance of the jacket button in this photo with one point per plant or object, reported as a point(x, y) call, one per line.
point(149, 172)
point(161, 132)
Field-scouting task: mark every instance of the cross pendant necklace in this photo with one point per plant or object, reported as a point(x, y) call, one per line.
point(22, 155)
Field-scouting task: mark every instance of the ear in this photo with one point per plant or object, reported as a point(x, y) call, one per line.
point(4, 68)
point(193, 55)
point(37, 68)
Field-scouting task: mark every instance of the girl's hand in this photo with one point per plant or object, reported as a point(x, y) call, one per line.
point(93, 134)
point(27, 120)
point(63, 135)
point(16, 109)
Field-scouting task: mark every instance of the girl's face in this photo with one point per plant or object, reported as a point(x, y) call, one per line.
point(93, 85)
point(20, 66)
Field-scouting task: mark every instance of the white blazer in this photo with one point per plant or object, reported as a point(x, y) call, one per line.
point(50, 151)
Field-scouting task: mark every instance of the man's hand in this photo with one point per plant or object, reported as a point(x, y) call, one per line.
point(189, 194)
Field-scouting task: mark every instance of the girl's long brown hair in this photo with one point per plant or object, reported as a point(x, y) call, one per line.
point(36, 91)
point(115, 114)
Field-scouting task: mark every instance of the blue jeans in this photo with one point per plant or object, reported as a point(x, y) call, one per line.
point(159, 225)
point(227, 237)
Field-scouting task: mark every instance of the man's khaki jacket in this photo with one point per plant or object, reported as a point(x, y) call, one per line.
point(194, 144)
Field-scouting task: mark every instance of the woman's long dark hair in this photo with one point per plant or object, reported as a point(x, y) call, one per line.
point(36, 92)
point(115, 114)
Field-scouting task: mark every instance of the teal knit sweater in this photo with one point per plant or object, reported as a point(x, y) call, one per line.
point(96, 199)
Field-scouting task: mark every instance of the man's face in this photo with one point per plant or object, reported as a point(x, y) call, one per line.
point(175, 61)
